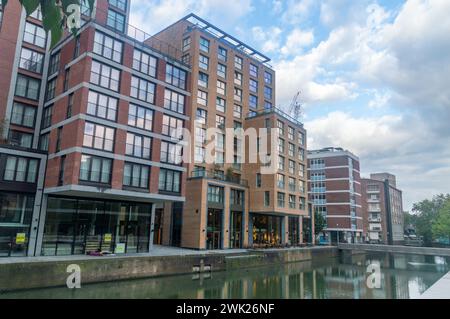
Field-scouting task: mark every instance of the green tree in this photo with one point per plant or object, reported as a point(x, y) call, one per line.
point(54, 14)
point(426, 212)
point(320, 222)
point(441, 225)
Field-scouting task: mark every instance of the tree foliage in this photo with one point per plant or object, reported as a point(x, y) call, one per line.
point(320, 223)
point(54, 14)
point(441, 226)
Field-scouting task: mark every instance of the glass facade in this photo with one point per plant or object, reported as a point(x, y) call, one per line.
point(267, 230)
point(82, 226)
point(16, 212)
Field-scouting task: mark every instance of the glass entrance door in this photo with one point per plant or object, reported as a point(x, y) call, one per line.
point(158, 226)
point(236, 230)
point(293, 231)
point(214, 229)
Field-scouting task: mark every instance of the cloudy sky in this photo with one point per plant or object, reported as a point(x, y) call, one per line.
point(374, 74)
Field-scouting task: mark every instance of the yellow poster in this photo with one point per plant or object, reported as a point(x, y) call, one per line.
point(20, 238)
point(107, 238)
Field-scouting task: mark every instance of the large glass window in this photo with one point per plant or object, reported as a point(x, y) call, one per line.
point(221, 87)
point(95, 169)
point(204, 44)
point(237, 111)
point(20, 139)
point(268, 93)
point(222, 54)
point(253, 85)
point(135, 175)
point(23, 115)
point(201, 116)
point(204, 62)
point(27, 87)
point(172, 126)
point(31, 60)
point(50, 90)
point(108, 47)
point(253, 101)
point(116, 20)
point(176, 76)
point(267, 78)
point(174, 101)
point(102, 106)
point(20, 169)
point(99, 137)
point(143, 90)
point(120, 4)
point(238, 78)
point(144, 63)
point(253, 70)
point(238, 62)
point(138, 146)
point(140, 117)
point(220, 104)
point(215, 194)
point(203, 79)
point(34, 34)
point(169, 181)
point(202, 98)
point(55, 60)
point(105, 76)
point(171, 153)
point(222, 70)
point(47, 117)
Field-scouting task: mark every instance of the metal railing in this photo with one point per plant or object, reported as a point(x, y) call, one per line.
point(275, 110)
point(219, 177)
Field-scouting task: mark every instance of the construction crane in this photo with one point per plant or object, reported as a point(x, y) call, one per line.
point(295, 109)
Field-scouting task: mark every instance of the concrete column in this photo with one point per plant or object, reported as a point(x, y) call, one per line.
point(300, 229)
point(226, 219)
point(285, 230)
point(37, 227)
point(152, 228)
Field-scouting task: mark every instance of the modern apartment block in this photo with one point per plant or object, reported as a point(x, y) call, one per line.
point(230, 204)
point(335, 190)
point(89, 134)
point(382, 209)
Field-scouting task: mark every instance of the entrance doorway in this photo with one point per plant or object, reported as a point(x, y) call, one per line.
point(214, 229)
point(177, 222)
point(236, 230)
point(294, 235)
point(158, 227)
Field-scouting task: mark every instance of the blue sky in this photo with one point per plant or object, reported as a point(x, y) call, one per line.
point(373, 74)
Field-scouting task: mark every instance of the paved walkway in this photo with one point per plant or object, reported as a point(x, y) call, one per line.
point(440, 290)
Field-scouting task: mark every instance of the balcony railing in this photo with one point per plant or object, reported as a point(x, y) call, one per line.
point(219, 177)
point(275, 110)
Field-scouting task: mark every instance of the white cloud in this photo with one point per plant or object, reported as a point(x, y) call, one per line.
point(269, 39)
point(296, 41)
point(298, 10)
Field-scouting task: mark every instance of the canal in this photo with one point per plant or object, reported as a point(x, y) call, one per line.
point(401, 277)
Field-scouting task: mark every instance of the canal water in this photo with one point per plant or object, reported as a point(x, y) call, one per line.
point(401, 277)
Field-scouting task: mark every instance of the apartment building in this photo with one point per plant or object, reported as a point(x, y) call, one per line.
point(230, 204)
point(89, 149)
point(382, 206)
point(334, 189)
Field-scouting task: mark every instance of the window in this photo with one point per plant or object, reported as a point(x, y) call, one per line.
point(291, 133)
point(222, 70)
point(238, 78)
point(120, 4)
point(266, 199)
point(102, 106)
point(268, 105)
point(292, 182)
point(37, 14)
point(138, 146)
point(199, 155)
point(215, 194)
point(221, 87)
point(301, 154)
point(237, 197)
point(135, 175)
point(76, 51)
point(142, 89)
point(174, 101)
point(172, 126)
point(301, 170)
point(34, 34)
point(281, 163)
point(253, 86)
point(20, 169)
point(116, 21)
point(169, 181)
point(302, 205)
point(281, 146)
point(61, 170)
point(66, 80)
point(280, 126)
point(31, 60)
point(238, 94)
point(186, 59)
point(95, 169)
point(204, 45)
point(253, 102)
point(140, 117)
point(58, 139)
point(201, 116)
point(238, 62)
point(253, 70)
point(43, 142)
point(27, 87)
point(53, 67)
point(220, 122)
point(222, 54)
point(281, 181)
point(144, 63)
point(301, 138)
point(292, 204)
point(268, 93)
point(171, 153)
point(302, 186)
point(108, 47)
point(281, 199)
point(176, 76)
point(258, 180)
point(291, 167)
point(267, 78)
point(23, 115)
point(203, 62)
point(51, 89)
point(317, 163)
point(186, 44)
point(203, 79)
point(105, 76)
point(220, 141)
point(47, 117)
point(220, 104)
point(200, 135)
point(20, 139)
point(202, 98)
point(98, 136)
point(237, 111)
point(291, 150)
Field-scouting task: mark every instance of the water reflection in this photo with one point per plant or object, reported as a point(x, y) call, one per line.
point(402, 277)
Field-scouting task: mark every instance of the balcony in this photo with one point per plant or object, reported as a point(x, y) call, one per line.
point(234, 179)
point(274, 110)
point(374, 219)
